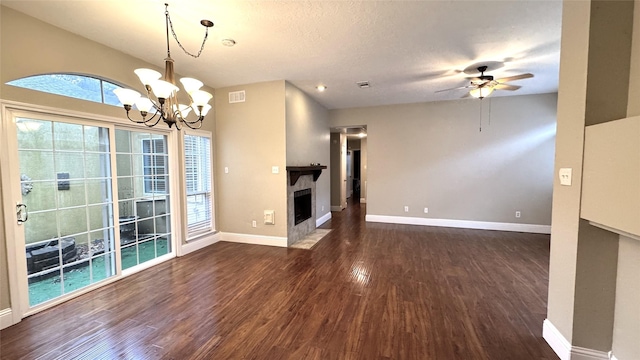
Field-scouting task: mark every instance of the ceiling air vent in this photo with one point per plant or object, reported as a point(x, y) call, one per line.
point(236, 97)
point(363, 84)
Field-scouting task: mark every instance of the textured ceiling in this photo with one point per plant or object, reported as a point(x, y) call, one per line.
point(407, 50)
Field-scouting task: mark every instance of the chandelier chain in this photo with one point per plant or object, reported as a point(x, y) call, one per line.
point(206, 34)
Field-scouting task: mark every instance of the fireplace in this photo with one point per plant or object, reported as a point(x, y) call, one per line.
point(301, 201)
point(302, 205)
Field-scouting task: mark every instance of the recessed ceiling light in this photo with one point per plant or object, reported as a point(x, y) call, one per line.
point(228, 42)
point(321, 88)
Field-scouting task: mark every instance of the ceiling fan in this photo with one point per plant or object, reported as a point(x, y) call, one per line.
point(483, 85)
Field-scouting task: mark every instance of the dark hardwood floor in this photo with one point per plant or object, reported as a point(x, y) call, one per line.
point(366, 291)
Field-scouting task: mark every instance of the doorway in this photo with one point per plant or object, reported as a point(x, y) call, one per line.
point(348, 165)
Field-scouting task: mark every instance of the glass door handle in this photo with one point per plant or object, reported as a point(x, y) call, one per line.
point(22, 213)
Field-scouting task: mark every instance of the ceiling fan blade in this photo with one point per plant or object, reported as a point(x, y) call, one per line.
point(515, 77)
point(458, 88)
point(507, 87)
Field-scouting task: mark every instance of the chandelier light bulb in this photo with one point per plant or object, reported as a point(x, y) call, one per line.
point(200, 98)
point(147, 76)
point(190, 84)
point(143, 104)
point(163, 89)
point(205, 110)
point(127, 96)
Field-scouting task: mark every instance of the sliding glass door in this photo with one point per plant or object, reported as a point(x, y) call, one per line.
point(93, 202)
point(67, 206)
point(143, 192)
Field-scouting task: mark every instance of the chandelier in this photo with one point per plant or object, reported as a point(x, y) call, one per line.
point(161, 96)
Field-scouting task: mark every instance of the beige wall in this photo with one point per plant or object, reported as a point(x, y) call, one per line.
point(433, 155)
point(251, 138)
point(308, 140)
point(569, 145)
point(633, 106)
point(593, 282)
point(610, 186)
point(626, 330)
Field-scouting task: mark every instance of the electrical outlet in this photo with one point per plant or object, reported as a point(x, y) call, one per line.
point(254, 223)
point(517, 214)
point(565, 176)
point(406, 209)
point(275, 169)
point(426, 210)
point(322, 207)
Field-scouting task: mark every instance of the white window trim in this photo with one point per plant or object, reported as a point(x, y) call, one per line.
point(204, 233)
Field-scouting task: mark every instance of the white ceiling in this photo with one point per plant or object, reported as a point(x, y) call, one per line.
point(407, 50)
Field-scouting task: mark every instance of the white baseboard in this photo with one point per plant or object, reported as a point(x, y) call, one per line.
point(556, 340)
point(323, 219)
point(254, 239)
point(578, 353)
point(465, 224)
point(200, 243)
point(6, 318)
point(336, 208)
point(363, 200)
point(564, 349)
point(613, 357)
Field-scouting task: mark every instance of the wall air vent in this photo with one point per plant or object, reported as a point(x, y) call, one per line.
point(236, 97)
point(363, 84)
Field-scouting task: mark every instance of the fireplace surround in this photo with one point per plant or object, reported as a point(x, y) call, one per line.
point(301, 201)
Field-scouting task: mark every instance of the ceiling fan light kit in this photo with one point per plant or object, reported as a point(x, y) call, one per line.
point(165, 105)
point(482, 92)
point(484, 85)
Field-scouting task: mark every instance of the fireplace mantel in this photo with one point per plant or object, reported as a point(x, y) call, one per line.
point(296, 171)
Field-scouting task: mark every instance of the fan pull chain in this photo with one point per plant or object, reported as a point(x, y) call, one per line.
point(480, 117)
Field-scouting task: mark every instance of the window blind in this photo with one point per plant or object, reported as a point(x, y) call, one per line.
point(197, 151)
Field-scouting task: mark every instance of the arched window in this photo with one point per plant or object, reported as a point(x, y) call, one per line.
point(76, 86)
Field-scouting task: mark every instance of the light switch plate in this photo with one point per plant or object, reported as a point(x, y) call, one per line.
point(269, 217)
point(275, 169)
point(565, 176)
